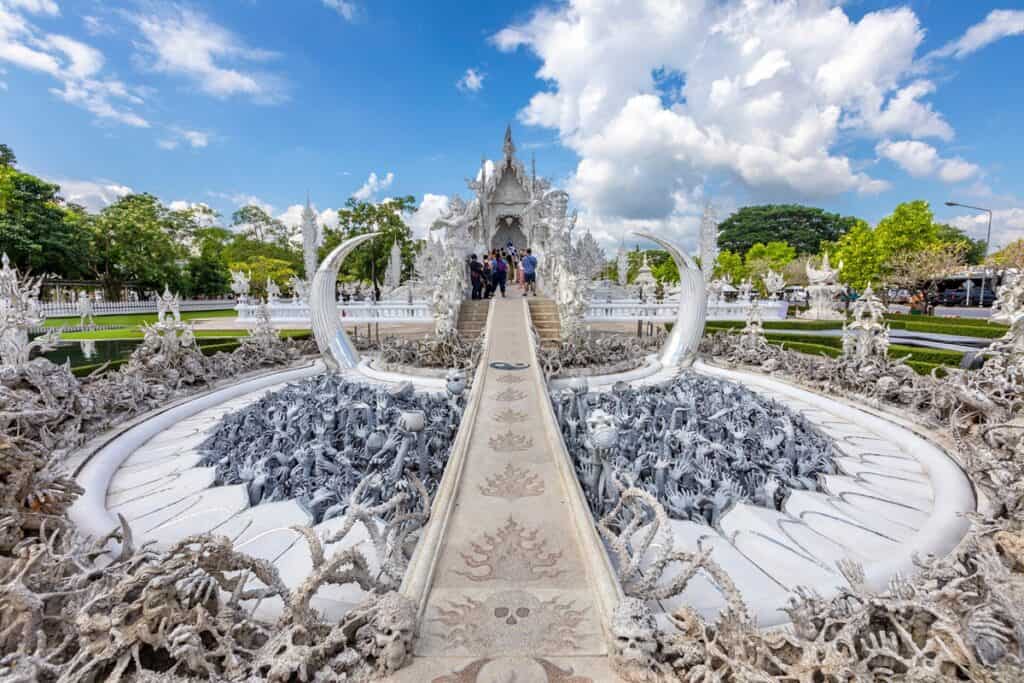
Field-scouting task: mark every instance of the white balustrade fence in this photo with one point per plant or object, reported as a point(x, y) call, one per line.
point(628, 311)
point(69, 309)
point(297, 312)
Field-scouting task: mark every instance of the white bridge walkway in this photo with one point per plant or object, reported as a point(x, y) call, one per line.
point(513, 582)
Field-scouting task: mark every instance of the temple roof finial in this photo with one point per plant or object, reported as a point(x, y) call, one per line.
point(509, 148)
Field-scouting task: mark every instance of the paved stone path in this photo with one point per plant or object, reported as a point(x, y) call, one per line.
point(515, 592)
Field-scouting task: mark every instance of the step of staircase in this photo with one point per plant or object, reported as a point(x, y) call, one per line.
point(544, 317)
point(472, 318)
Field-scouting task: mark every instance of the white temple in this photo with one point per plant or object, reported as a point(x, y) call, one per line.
point(509, 206)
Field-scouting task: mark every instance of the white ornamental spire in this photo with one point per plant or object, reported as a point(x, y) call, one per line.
point(310, 239)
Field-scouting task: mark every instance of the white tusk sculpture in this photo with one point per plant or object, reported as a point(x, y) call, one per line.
point(680, 349)
point(334, 344)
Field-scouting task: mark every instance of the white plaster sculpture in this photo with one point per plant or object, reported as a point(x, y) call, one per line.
point(85, 309)
point(716, 290)
point(240, 285)
point(822, 291)
point(311, 239)
point(393, 274)
point(273, 291)
point(300, 289)
point(774, 283)
point(622, 267)
point(168, 307)
point(708, 242)
point(746, 292)
point(684, 341)
point(332, 340)
point(19, 312)
point(867, 336)
point(589, 256)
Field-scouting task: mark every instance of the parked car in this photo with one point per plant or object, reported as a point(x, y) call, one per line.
point(900, 296)
point(958, 297)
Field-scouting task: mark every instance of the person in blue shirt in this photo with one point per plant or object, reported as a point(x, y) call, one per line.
point(529, 266)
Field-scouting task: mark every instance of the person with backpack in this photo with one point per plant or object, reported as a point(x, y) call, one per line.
point(476, 276)
point(487, 275)
point(500, 274)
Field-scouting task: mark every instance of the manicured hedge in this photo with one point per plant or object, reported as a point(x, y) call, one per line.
point(798, 342)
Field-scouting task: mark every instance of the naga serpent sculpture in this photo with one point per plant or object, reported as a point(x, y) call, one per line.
point(336, 348)
point(681, 347)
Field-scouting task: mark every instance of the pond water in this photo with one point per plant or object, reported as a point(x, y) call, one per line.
point(90, 352)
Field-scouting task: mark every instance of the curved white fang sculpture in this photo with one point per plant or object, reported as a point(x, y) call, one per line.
point(331, 339)
point(681, 347)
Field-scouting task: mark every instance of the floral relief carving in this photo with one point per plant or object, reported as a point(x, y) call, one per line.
point(509, 395)
point(508, 442)
point(510, 416)
point(513, 553)
point(512, 483)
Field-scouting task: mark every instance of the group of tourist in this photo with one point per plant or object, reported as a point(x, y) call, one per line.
point(493, 273)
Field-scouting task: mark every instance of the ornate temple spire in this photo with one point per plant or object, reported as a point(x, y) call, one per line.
point(309, 239)
point(509, 148)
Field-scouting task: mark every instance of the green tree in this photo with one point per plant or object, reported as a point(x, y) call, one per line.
point(666, 271)
point(138, 239)
point(7, 157)
point(261, 268)
point(257, 224)
point(910, 227)
point(974, 250)
point(368, 263)
point(207, 271)
point(762, 257)
point(1010, 256)
point(37, 231)
point(802, 227)
point(862, 260)
point(730, 266)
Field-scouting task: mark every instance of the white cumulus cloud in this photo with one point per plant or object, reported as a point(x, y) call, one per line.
point(770, 94)
point(430, 208)
point(94, 195)
point(184, 42)
point(997, 25)
point(75, 65)
point(921, 160)
point(345, 8)
point(373, 185)
point(471, 81)
point(1007, 225)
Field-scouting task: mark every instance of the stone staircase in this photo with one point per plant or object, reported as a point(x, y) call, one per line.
point(544, 315)
point(473, 318)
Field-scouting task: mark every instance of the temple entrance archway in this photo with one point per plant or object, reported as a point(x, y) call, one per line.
point(509, 228)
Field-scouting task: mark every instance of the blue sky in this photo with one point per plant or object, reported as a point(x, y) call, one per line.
point(852, 106)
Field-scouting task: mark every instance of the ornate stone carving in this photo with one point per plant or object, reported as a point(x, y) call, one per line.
point(510, 416)
point(512, 554)
point(513, 622)
point(510, 442)
point(19, 312)
point(512, 483)
point(240, 285)
point(868, 335)
point(774, 283)
point(822, 291)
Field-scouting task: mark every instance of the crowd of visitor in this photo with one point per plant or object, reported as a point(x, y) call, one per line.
point(500, 266)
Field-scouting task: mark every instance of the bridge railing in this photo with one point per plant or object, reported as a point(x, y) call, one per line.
point(353, 311)
point(625, 311)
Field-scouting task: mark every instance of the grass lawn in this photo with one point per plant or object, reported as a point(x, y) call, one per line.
point(135, 319)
